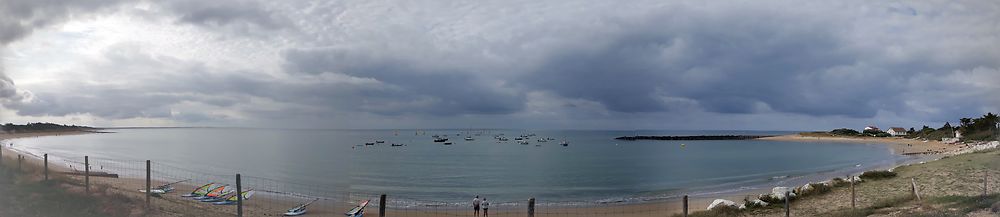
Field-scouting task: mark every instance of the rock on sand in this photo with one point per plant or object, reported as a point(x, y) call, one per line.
point(721, 202)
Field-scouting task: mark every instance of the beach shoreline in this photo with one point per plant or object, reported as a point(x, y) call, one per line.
point(899, 146)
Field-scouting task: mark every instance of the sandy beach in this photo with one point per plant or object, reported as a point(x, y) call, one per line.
point(902, 146)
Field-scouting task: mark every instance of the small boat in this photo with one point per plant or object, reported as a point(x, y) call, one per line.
point(380, 141)
point(447, 143)
point(216, 192)
point(396, 145)
point(232, 198)
point(564, 143)
point(441, 140)
point(300, 209)
point(359, 210)
point(538, 145)
point(163, 189)
point(468, 138)
point(542, 140)
point(369, 143)
point(201, 191)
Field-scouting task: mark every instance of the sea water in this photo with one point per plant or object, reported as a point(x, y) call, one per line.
point(593, 168)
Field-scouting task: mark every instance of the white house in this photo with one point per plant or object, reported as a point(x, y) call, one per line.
point(871, 128)
point(896, 131)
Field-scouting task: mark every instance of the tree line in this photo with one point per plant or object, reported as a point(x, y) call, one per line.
point(982, 128)
point(40, 127)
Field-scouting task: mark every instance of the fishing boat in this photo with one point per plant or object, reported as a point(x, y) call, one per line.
point(201, 191)
point(233, 198)
point(359, 210)
point(300, 209)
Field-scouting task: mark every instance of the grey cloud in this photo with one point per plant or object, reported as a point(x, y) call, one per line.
point(716, 61)
point(223, 13)
point(19, 18)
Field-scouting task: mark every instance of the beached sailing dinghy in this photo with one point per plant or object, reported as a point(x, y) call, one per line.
point(217, 192)
point(299, 210)
point(232, 198)
point(201, 191)
point(163, 189)
point(359, 210)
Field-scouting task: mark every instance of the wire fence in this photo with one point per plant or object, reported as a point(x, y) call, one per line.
point(188, 192)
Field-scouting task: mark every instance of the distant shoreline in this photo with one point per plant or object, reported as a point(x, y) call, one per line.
point(700, 137)
point(6, 136)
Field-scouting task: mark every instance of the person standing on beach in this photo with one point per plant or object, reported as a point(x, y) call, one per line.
point(475, 205)
point(486, 208)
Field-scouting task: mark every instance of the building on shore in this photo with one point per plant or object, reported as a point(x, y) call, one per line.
point(896, 131)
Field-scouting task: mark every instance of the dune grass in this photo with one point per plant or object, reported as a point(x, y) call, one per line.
point(24, 194)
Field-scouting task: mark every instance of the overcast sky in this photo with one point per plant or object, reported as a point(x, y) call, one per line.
point(575, 64)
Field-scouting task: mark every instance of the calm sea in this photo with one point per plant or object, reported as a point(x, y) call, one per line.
point(593, 168)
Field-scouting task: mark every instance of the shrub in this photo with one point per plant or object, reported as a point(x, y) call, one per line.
point(845, 132)
point(877, 174)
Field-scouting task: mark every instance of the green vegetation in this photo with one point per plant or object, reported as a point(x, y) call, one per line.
point(973, 129)
point(877, 174)
point(845, 132)
point(40, 127)
point(875, 133)
point(881, 204)
point(983, 128)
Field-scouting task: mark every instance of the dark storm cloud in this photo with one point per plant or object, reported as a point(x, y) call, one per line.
point(730, 64)
point(438, 91)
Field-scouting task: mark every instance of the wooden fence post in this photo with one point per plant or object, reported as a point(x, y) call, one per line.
point(148, 187)
point(86, 173)
point(46, 167)
point(381, 206)
point(788, 210)
point(986, 175)
point(852, 193)
point(685, 205)
point(531, 207)
point(239, 196)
